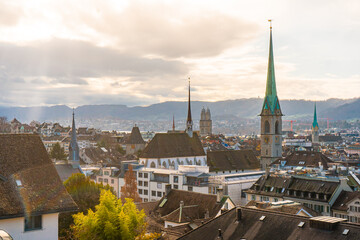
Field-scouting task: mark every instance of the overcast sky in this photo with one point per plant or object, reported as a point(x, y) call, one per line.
point(141, 52)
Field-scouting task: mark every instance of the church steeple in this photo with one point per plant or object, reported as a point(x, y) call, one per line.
point(315, 122)
point(189, 122)
point(74, 147)
point(271, 101)
point(271, 116)
point(173, 127)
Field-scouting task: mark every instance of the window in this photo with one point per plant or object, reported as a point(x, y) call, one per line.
point(152, 165)
point(106, 173)
point(140, 183)
point(100, 179)
point(159, 194)
point(140, 175)
point(253, 197)
point(164, 164)
point(267, 127)
point(176, 179)
point(140, 191)
point(277, 127)
point(145, 199)
point(112, 181)
point(146, 192)
point(190, 188)
point(145, 175)
point(145, 184)
point(106, 180)
point(33, 223)
point(159, 185)
point(153, 193)
point(176, 186)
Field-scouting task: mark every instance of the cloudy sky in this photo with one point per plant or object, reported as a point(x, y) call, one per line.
point(141, 52)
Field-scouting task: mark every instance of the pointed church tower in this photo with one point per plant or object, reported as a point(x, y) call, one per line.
point(189, 122)
point(315, 128)
point(74, 158)
point(271, 117)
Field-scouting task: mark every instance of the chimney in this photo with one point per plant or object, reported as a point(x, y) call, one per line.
point(238, 214)
point(267, 172)
point(207, 214)
point(167, 189)
point(219, 194)
point(181, 208)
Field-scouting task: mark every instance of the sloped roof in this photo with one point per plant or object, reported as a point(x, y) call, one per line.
point(186, 214)
point(165, 145)
point(231, 160)
point(343, 199)
point(204, 202)
point(65, 171)
point(310, 159)
point(275, 225)
point(312, 185)
point(135, 137)
point(30, 183)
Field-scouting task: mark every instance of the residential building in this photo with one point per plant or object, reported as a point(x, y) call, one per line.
point(32, 194)
point(271, 117)
point(347, 206)
point(304, 160)
point(318, 194)
point(109, 176)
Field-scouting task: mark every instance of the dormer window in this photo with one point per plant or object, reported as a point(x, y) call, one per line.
point(18, 183)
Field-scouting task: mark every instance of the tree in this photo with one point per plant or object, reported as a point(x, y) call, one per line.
point(86, 195)
point(129, 190)
point(57, 152)
point(111, 220)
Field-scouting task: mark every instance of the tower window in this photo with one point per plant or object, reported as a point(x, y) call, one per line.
point(277, 127)
point(267, 127)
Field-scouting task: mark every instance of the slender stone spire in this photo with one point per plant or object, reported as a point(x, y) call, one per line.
point(271, 100)
point(189, 122)
point(315, 122)
point(74, 147)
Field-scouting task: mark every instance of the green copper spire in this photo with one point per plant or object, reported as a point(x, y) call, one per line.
point(271, 100)
point(315, 122)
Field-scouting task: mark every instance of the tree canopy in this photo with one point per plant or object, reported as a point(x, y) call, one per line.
point(111, 220)
point(86, 195)
point(57, 152)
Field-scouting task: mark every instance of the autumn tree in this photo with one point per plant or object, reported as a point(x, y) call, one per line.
point(57, 152)
point(129, 190)
point(86, 194)
point(111, 220)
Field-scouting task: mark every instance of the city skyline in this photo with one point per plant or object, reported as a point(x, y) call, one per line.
point(141, 53)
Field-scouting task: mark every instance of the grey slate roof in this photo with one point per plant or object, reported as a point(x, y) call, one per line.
point(305, 159)
point(232, 160)
point(165, 145)
point(275, 225)
point(135, 137)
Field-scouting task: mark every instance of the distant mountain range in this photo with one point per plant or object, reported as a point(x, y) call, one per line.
point(337, 109)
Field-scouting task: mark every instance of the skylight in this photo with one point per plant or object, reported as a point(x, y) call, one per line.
point(18, 183)
point(346, 231)
point(301, 224)
point(262, 218)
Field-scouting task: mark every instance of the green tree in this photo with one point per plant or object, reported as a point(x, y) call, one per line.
point(86, 195)
point(57, 152)
point(111, 220)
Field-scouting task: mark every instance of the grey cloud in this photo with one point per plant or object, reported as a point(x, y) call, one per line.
point(77, 59)
point(158, 29)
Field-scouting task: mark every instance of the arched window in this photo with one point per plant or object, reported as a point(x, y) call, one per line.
point(164, 164)
point(182, 163)
point(267, 127)
point(152, 165)
point(277, 127)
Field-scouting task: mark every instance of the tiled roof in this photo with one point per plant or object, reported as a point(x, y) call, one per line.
point(275, 225)
point(165, 145)
point(305, 159)
point(343, 199)
point(231, 160)
point(30, 183)
point(135, 137)
point(65, 171)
